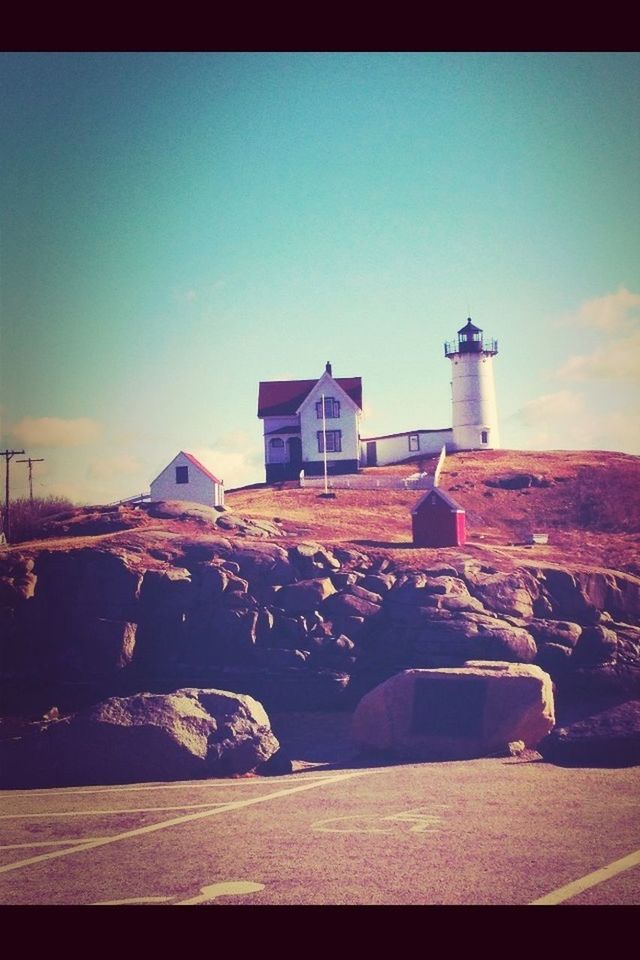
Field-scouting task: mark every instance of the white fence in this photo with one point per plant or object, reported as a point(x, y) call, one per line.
point(355, 481)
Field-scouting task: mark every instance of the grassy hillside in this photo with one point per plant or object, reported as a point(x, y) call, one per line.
point(590, 509)
point(589, 505)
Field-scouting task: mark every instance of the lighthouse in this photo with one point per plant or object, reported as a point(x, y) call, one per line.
point(475, 417)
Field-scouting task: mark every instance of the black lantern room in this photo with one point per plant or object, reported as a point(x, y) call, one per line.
point(470, 340)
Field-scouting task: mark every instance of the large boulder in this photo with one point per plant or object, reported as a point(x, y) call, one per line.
point(512, 593)
point(456, 713)
point(88, 582)
point(313, 560)
point(178, 736)
point(610, 738)
point(306, 596)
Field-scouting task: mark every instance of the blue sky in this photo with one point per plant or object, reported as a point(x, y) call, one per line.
point(178, 227)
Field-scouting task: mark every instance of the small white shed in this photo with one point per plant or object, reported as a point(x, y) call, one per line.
point(185, 478)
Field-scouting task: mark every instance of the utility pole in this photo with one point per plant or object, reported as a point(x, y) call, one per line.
point(7, 454)
point(30, 461)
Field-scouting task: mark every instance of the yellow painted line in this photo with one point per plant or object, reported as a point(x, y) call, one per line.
point(46, 843)
point(131, 900)
point(99, 813)
point(590, 880)
point(150, 828)
point(182, 785)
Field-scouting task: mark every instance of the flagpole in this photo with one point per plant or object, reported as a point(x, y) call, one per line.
point(324, 445)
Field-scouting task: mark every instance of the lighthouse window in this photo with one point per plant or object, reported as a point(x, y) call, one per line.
point(414, 442)
point(484, 436)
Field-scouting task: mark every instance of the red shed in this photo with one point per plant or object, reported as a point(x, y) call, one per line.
point(438, 521)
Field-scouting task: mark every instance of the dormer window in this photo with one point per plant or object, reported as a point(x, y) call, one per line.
point(331, 409)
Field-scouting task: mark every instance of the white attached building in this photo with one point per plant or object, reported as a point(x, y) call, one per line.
point(295, 430)
point(185, 478)
point(396, 447)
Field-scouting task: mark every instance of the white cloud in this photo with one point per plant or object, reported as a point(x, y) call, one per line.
point(122, 464)
point(56, 432)
point(234, 459)
point(570, 420)
point(609, 330)
point(616, 360)
point(613, 312)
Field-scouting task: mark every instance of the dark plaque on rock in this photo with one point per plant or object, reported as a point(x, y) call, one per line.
point(448, 710)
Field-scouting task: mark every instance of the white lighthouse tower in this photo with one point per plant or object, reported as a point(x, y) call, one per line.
point(475, 417)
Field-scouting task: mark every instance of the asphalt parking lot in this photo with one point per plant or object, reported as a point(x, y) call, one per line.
point(488, 831)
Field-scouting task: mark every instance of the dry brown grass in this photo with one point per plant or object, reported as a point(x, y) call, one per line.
point(591, 512)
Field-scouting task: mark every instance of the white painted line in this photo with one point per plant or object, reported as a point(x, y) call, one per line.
point(99, 813)
point(590, 880)
point(150, 828)
point(46, 843)
point(182, 785)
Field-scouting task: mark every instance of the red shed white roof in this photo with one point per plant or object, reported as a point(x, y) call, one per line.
point(455, 507)
point(281, 398)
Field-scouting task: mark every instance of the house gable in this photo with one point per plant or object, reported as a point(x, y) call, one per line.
point(329, 386)
point(283, 398)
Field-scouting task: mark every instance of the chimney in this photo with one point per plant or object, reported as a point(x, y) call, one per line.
point(328, 367)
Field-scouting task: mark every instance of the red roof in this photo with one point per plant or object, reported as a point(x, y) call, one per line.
point(281, 398)
point(200, 466)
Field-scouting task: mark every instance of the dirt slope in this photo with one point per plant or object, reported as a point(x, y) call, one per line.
point(589, 504)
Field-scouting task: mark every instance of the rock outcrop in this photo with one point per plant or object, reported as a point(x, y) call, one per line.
point(610, 738)
point(280, 618)
point(455, 713)
point(187, 734)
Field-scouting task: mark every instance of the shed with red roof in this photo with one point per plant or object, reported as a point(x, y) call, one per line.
point(185, 478)
point(438, 521)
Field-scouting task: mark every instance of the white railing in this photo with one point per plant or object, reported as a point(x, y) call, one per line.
point(354, 481)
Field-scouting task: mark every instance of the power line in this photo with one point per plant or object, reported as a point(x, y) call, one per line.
point(30, 461)
point(7, 454)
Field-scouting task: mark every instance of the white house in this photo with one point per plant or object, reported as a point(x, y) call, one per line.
point(185, 478)
point(295, 429)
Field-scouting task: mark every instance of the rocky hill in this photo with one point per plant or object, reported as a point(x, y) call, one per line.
point(306, 602)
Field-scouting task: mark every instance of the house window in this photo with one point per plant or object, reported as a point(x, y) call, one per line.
point(276, 450)
point(484, 436)
point(334, 441)
point(182, 474)
point(331, 408)
point(414, 442)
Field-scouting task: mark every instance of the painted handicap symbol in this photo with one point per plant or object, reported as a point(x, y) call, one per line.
point(417, 820)
point(211, 892)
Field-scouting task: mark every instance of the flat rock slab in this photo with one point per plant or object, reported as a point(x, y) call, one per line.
point(191, 733)
point(456, 713)
point(610, 738)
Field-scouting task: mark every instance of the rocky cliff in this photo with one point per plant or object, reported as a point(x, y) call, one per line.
point(234, 603)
